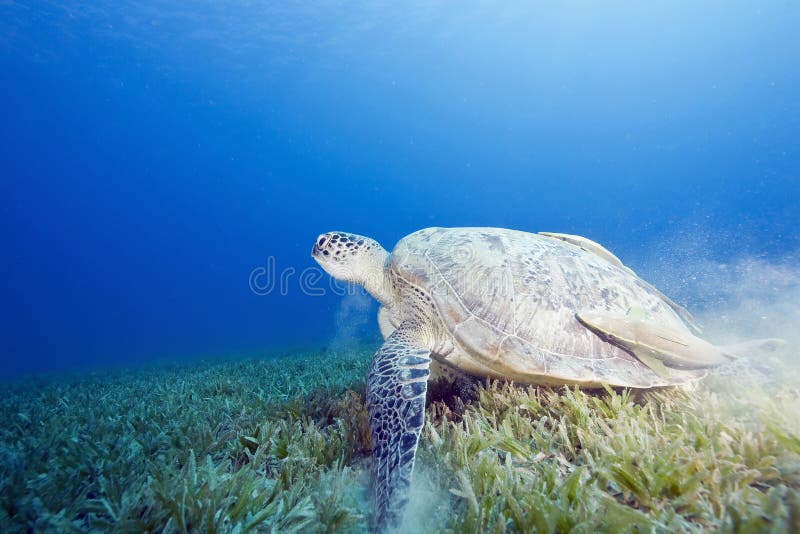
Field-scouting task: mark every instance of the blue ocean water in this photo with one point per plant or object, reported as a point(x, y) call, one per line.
point(159, 158)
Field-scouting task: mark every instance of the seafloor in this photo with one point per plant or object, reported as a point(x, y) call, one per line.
point(281, 444)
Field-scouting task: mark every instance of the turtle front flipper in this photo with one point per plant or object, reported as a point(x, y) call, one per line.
point(655, 345)
point(396, 388)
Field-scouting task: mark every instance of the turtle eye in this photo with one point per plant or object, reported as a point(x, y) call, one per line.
point(320, 244)
point(324, 240)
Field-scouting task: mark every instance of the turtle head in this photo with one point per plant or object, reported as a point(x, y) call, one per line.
point(353, 258)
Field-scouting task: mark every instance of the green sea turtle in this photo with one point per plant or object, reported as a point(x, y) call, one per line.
point(536, 309)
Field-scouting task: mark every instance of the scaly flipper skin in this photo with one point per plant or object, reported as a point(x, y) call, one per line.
point(396, 388)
